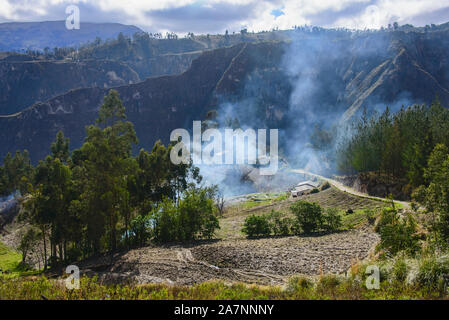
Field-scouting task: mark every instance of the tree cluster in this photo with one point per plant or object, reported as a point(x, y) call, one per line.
point(398, 145)
point(100, 198)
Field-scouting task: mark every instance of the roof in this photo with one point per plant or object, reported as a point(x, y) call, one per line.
point(303, 188)
point(310, 183)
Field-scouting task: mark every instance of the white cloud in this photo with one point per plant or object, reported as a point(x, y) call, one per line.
point(216, 15)
point(388, 11)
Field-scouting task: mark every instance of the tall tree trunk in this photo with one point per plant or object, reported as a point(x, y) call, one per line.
point(65, 250)
point(45, 248)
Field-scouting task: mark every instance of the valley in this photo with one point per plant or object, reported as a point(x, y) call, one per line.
point(90, 135)
point(233, 258)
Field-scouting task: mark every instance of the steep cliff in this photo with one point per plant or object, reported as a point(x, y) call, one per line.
point(24, 83)
point(156, 106)
point(291, 85)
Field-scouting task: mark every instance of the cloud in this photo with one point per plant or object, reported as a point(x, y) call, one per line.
point(211, 16)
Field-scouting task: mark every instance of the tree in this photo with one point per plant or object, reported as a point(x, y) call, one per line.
point(255, 226)
point(28, 242)
point(397, 234)
point(435, 196)
point(60, 148)
point(332, 220)
point(220, 204)
point(107, 152)
point(309, 215)
point(50, 203)
point(193, 217)
point(16, 173)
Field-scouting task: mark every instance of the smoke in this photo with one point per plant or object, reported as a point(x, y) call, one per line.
point(9, 202)
point(304, 94)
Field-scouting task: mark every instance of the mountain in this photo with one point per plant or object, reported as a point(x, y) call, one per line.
point(39, 35)
point(43, 75)
point(24, 83)
point(317, 77)
point(155, 106)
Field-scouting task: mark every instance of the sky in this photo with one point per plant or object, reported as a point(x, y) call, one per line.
point(216, 16)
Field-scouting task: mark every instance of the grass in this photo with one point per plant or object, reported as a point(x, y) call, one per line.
point(298, 288)
point(9, 260)
point(232, 221)
point(259, 199)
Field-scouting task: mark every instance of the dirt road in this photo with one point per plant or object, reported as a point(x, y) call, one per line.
point(347, 189)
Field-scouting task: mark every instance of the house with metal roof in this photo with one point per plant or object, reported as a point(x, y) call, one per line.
point(304, 187)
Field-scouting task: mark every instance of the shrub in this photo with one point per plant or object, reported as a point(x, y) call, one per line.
point(257, 226)
point(315, 190)
point(309, 216)
point(193, 218)
point(140, 229)
point(370, 216)
point(400, 270)
point(397, 234)
point(299, 283)
point(328, 283)
point(325, 186)
point(332, 220)
point(280, 224)
point(433, 273)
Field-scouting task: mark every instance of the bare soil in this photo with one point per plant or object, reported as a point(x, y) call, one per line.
point(232, 257)
point(260, 261)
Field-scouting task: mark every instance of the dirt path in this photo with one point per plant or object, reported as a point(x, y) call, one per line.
point(347, 189)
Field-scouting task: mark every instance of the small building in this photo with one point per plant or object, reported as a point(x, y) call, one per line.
point(304, 187)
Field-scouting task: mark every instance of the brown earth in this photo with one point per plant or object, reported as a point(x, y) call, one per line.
point(232, 257)
point(261, 261)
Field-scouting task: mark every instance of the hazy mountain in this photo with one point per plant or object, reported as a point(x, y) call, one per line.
point(318, 77)
point(44, 75)
point(39, 35)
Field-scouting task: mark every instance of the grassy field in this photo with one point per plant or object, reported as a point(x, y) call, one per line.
point(298, 288)
point(9, 260)
point(250, 257)
point(232, 221)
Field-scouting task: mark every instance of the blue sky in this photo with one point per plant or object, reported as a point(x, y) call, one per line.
point(216, 16)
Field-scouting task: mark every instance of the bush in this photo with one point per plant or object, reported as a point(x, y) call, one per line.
point(309, 215)
point(332, 220)
point(370, 216)
point(280, 224)
point(140, 229)
point(433, 273)
point(397, 234)
point(257, 226)
point(328, 283)
point(325, 186)
point(400, 270)
point(299, 284)
point(315, 190)
point(193, 218)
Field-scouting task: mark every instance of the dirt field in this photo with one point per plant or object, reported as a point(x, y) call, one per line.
point(261, 261)
point(232, 257)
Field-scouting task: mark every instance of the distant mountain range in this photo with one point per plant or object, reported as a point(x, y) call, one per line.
point(39, 35)
point(291, 80)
